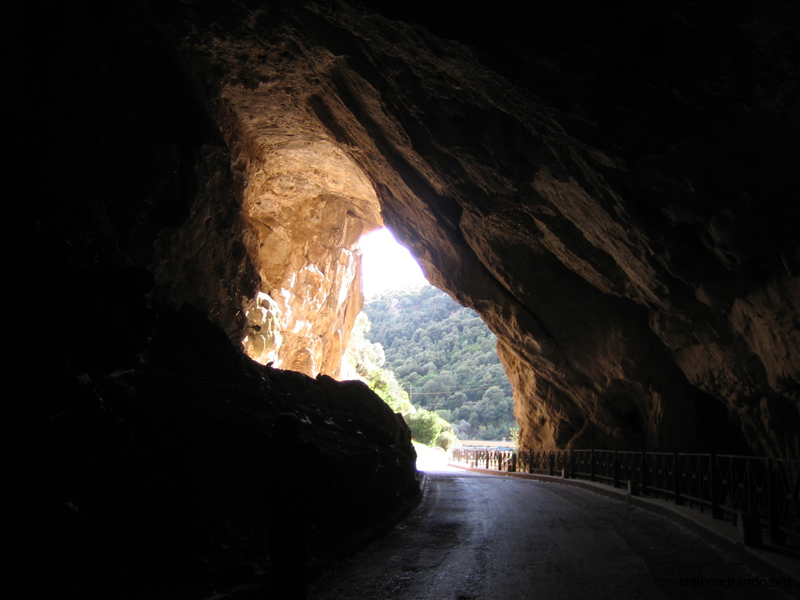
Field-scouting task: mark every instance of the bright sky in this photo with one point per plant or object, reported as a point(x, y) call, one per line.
point(387, 265)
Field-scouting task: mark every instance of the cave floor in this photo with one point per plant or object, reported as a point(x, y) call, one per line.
point(488, 537)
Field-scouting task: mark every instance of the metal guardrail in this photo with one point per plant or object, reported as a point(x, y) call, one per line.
point(726, 485)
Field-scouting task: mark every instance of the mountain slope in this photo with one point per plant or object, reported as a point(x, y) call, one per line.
point(445, 356)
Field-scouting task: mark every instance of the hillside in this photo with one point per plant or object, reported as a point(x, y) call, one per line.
point(445, 356)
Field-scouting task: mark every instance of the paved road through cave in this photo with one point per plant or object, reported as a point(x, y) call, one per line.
point(481, 537)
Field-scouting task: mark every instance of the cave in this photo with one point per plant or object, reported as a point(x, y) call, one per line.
point(613, 191)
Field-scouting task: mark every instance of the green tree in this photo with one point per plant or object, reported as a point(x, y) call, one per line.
point(425, 426)
point(385, 384)
point(362, 356)
point(494, 395)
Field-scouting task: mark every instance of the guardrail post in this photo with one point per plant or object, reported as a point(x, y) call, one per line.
point(551, 460)
point(776, 536)
point(571, 464)
point(713, 479)
point(644, 473)
point(616, 469)
point(676, 477)
point(514, 462)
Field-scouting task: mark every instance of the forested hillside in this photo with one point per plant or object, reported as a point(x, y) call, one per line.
point(445, 357)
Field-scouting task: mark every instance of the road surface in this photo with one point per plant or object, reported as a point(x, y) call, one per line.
point(480, 537)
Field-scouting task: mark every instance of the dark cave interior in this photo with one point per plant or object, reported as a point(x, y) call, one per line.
point(613, 191)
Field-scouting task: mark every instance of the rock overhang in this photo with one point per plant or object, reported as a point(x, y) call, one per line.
point(617, 250)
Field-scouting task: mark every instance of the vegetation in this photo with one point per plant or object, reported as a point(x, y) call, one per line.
point(364, 359)
point(420, 349)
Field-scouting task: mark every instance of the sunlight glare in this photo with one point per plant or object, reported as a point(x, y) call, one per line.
point(386, 265)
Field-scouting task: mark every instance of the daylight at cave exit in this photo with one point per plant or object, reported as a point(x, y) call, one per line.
point(387, 265)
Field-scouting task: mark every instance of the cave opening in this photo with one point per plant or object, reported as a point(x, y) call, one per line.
point(387, 264)
point(466, 388)
point(430, 358)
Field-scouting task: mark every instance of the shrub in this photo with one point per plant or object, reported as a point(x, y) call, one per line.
point(425, 426)
point(447, 439)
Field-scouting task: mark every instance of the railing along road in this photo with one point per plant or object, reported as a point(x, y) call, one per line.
point(728, 486)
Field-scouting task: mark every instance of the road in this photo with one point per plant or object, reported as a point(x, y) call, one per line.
point(481, 537)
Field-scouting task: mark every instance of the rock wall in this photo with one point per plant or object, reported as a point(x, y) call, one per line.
point(306, 205)
point(611, 191)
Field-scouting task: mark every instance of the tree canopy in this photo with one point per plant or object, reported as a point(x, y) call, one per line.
point(445, 357)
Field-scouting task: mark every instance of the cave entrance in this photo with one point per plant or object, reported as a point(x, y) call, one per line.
point(429, 358)
point(307, 204)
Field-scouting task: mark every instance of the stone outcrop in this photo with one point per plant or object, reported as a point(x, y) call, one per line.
point(156, 478)
point(617, 207)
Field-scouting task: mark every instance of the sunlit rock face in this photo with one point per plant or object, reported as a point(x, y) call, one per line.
point(306, 204)
point(613, 193)
point(302, 203)
point(263, 337)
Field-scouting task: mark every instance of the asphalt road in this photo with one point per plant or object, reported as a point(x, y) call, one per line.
point(481, 537)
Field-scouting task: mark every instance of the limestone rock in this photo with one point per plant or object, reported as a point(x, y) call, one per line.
point(263, 329)
point(306, 205)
